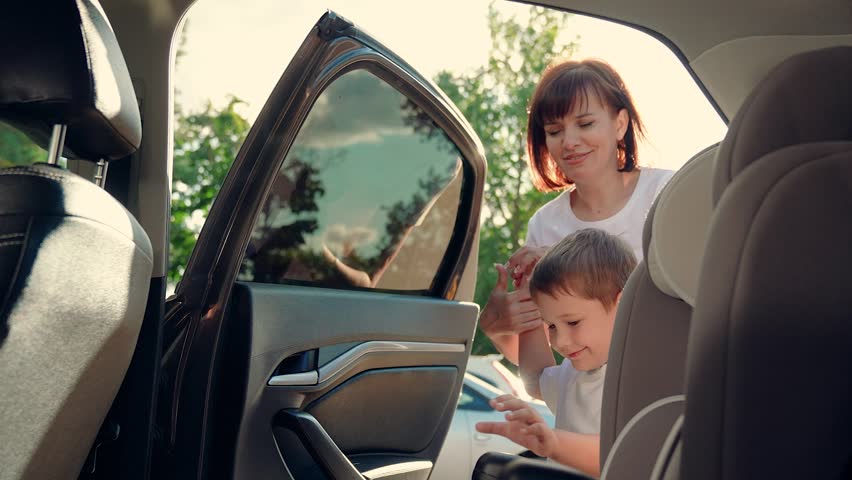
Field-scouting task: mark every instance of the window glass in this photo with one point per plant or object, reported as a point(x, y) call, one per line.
point(485, 379)
point(366, 197)
point(16, 149)
point(470, 400)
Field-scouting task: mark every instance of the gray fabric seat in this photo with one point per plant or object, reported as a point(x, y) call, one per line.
point(768, 377)
point(643, 399)
point(769, 373)
point(643, 394)
point(75, 266)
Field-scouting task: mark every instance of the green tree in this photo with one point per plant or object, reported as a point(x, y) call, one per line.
point(494, 98)
point(206, 144)
point(17, 149)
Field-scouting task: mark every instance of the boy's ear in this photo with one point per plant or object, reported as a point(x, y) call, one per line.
point(618, 296)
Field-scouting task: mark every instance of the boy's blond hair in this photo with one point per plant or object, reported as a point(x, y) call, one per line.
point(589, 263)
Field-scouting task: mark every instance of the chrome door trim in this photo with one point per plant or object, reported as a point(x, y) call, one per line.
point(306, 378)
point(349, 358)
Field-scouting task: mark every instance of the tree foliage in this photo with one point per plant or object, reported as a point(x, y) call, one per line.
point(494, 99)
point(206, 144)
point(17, 149)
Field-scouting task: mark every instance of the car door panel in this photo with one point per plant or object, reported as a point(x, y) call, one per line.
point(402, 385)
point(315, 332)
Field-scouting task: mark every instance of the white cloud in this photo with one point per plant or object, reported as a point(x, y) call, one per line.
point(356, 108)
point(342, 239)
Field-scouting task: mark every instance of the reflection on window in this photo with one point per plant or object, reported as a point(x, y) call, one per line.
point(367, 196)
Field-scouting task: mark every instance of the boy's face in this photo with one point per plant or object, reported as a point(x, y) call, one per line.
point(580, 329)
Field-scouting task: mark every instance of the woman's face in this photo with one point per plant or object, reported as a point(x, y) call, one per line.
point(584, 142)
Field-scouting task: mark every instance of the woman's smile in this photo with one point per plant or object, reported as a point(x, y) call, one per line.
point(574, 159)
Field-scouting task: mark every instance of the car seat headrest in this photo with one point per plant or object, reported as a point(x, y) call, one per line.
point(61, 64)
point(676, 228)
point(806, 98)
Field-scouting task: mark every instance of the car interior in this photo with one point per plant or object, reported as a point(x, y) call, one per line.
point(76, 265)
point(730, 354)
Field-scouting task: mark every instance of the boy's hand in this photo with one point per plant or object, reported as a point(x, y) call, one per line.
point(524, 426)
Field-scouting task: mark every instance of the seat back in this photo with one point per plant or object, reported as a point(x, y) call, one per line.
point(643, 393)
point(769, 373)
point(75, 266)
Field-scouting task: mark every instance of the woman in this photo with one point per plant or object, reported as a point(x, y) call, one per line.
point(581, 138)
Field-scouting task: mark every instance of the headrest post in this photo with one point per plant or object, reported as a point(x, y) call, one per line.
point(57, 143)
point(100, 174)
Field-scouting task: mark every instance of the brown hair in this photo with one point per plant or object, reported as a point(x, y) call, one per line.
point(590, 263)
point(562, 85)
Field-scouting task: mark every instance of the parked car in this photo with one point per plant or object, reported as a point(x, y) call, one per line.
point(464, 445)
point(490, 369)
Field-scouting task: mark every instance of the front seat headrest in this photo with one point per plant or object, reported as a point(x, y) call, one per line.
point(60, 63)
point(676, 228)
point(807, 98)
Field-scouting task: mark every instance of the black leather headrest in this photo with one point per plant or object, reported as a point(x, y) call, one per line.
point(807, 98)
point(60, 63)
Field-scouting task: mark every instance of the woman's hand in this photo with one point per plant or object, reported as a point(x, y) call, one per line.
point(521, 263)
point(523, 426)
point(508, 313)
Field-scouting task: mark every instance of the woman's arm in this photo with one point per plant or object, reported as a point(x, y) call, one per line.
point(506, 345)
point(534, 356)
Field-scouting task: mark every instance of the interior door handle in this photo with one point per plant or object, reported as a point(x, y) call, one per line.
point(481, 437)
point(318, 443)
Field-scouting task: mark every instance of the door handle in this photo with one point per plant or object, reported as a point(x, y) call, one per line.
point(481, 437)
point(298, 369)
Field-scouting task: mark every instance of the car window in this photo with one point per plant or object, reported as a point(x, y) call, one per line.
point(367, 196)
point(17, 149)
point(472, 400)
point(485, 379)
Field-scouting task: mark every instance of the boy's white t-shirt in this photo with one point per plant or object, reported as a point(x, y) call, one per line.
point(574, 397)
point(556, 220)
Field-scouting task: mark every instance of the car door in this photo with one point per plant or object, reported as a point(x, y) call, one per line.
point(316, 332)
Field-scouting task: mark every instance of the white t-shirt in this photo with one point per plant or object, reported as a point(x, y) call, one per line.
point(556, 220)
point(574, 397)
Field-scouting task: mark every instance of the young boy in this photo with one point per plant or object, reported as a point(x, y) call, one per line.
point(576, 287)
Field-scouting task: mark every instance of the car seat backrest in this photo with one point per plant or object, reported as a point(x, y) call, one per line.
point(769, 368)
point(75, 266)
point(643, 394)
